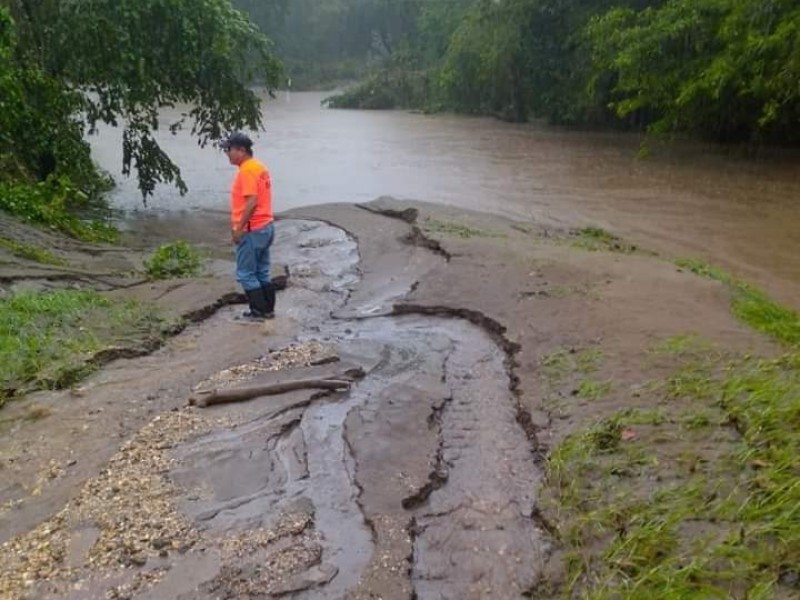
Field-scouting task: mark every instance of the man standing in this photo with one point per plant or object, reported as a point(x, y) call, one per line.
point(252, 226)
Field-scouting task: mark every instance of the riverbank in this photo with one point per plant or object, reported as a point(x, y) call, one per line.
point(685, 199)
point(536, 413)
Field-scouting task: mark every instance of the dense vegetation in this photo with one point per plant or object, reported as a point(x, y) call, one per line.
point(323, 43)
point(67, 66)
point(726, 70)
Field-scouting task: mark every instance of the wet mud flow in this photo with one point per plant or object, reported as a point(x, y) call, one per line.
point(420, 480)
point(417, 482)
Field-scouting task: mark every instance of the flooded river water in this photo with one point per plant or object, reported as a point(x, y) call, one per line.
point(685, 200)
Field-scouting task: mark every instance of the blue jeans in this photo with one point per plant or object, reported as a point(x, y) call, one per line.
point(252, 258)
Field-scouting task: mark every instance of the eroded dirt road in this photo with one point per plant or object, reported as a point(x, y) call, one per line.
point(418, 482)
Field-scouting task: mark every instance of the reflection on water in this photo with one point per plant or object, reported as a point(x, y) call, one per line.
point(690, 200)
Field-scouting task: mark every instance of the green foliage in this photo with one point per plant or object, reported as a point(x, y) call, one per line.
point(751, 305)
point(325, 43)
point(727, 69)
point(173, 261)
point(53, 203)
point(724, 69)
point(483, 69)
point(47, 339)
point(387, 89)
point(68, 65)
point(40, 134)
point(29, 252)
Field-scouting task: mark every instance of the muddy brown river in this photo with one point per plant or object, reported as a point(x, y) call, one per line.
point(685, 200)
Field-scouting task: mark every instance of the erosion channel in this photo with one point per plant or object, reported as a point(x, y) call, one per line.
point(420, 479)
point(418, 482)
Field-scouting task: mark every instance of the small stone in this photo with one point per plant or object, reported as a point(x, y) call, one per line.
point(159, 543)
point(138, 560)
point(790, 578)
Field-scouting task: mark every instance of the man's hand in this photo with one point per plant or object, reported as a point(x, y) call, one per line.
point(249, 209)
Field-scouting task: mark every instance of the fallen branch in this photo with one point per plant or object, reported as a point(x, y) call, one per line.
point(212, 397)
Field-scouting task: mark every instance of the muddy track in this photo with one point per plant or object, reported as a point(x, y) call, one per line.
point(497, 332)
point(457, 466)
point(419, 482)
point(423, 476)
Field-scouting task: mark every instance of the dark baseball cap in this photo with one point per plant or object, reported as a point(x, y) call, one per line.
point(237, 140)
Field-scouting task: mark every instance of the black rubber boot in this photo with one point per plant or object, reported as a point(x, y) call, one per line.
point(269, 297)
point(258, 305)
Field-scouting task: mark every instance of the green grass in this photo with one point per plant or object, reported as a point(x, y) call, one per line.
point(722, 523)
point(595, 239)
point(697, 494)
point(588, 360)
point(173, 261)
point(589, 389)
point(751, 305)
point(556, 364)
point(457, 230)
point(685, 345)
point(29, 252)
point(46, 339)
point(697, 420)
point(563, 362)
point(54, 204)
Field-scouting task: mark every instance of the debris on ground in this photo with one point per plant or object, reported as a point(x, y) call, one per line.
point(294, 356)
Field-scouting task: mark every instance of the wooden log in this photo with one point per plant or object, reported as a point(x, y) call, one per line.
point(212, 397)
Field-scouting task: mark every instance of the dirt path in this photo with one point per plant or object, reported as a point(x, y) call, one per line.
point(422, 481)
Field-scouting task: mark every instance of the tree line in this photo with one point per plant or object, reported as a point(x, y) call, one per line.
point(726, 70)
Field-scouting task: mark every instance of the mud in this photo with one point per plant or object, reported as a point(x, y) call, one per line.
point(422, 481)
point(107, 407)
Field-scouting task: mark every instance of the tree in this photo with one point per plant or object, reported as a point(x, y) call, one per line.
point(119, 62)
point(484, 63)
point(727, 69)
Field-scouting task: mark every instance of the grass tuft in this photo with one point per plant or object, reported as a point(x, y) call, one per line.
point(174, 261)
point(751, 305)
point(47, 339)
point(595, 239)
point(590, 389)
point(686, 345)
point(29, 252)
point(457, 230)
